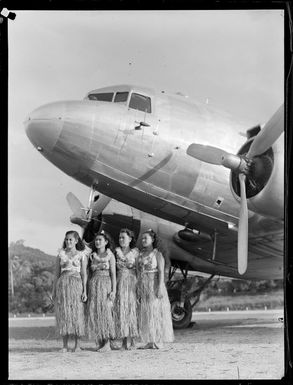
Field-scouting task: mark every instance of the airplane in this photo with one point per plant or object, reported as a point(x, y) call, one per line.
point(212, 188)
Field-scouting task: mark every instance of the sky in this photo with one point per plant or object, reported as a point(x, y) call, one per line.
point(233, 58)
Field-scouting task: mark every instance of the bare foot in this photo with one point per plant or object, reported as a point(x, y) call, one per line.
point(63, 350)
point(131, 347)
point(147, 346)
point(99, 345)
point(124, 345)
point(105, 348)
point(114, 346)
point(77, 349)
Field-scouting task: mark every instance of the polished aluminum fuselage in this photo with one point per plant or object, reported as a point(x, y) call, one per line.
point(101, 144)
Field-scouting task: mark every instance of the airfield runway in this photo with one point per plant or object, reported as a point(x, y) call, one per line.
point(219, 345)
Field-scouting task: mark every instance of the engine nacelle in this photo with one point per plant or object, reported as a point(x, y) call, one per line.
point(265, 185)
point(114, 217)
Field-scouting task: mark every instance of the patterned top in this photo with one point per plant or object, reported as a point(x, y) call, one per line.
point(126, 261)
point(100, 262)
point(147, 262)
point(70, 263)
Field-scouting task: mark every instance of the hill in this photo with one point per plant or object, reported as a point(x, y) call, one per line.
point(29, 254)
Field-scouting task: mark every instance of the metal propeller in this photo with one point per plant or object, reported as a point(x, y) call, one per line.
point(82, 215)
point(207, 154)
point(214, 155)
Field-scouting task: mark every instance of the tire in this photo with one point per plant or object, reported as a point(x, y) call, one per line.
point(181, 316)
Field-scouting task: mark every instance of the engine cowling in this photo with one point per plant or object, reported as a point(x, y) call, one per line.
point(265, 181)
point(112, 222)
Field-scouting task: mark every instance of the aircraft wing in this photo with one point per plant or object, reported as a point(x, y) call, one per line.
point(265, 254)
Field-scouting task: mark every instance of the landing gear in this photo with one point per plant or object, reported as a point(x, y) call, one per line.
point(181, 314)
point(182, 295)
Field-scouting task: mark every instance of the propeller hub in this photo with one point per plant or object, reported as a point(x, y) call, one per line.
point(257, 170)
point(236, 163)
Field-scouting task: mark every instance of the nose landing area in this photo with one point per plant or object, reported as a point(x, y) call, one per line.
point(44, 126)
point(43, 133)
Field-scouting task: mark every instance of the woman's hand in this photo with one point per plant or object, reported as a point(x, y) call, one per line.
point(129, 265)
point(160, 292)
point(112, 295)
point(84, 297)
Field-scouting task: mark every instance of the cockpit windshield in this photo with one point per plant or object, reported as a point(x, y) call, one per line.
point(136, 101)
point(103, 97)
point(121, 97)
point(140, 102)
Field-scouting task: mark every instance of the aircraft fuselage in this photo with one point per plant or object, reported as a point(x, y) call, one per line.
point(139, 157)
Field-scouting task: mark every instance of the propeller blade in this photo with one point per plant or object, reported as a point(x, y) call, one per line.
point(99, 205)
point(208, 154)
point(76, 206)
point(268, 135)
point(242, 228)
point(78, 221)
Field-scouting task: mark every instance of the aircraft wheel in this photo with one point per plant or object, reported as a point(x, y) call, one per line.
point(181, 316)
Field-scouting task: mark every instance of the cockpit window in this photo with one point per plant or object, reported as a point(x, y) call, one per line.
point(140, 102)
point(121, 97)
point(103, 97)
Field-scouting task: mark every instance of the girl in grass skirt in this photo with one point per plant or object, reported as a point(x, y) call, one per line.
point(125, 304)
point(69, 290)
point(155, 323)
point(101, 292)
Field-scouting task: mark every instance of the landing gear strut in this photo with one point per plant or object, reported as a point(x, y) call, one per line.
point(182, 299)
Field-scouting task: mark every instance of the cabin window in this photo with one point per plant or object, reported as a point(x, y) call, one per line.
point(103, 97)
point(140, 102)
point(121, 97)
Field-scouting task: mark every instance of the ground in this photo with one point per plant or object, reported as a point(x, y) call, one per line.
point(220, 345)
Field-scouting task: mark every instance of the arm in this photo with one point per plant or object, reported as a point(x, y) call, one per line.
point(138, 294)
point(57, 275)
point(113, 276)
point(167, 267)
point(136, 262)
point(161, 264)
point(84, 263)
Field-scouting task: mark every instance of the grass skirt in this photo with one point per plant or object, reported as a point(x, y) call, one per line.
point(100, 321)
point(125, 304)
point(155, 323)
point(69, 308)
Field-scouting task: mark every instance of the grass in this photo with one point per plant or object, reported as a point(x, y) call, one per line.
point(237, 301)
point(271, 300)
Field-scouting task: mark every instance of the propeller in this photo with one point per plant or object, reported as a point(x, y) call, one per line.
point(269, 134)
point(242, 245)
point(82, 215)
point(241, 164)
point(207, 154)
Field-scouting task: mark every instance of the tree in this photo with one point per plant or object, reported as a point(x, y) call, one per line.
point(14, 265)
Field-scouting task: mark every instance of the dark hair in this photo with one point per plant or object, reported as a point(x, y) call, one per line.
point(160, 245)
point(131, 234)
point(107, 237)
point(79, 246)
point(154, 237)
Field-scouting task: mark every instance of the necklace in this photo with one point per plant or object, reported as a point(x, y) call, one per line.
point(102, 255)
point(71, 253)
point(146, 253)
point(126, 251)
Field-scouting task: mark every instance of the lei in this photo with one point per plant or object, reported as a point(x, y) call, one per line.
point(124, 261)
point(145, 262)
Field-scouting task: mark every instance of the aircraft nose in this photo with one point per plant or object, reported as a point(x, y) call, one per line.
point(43, 126)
